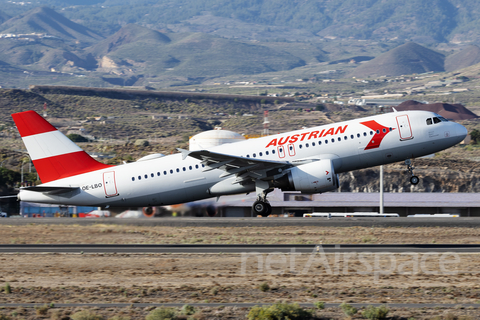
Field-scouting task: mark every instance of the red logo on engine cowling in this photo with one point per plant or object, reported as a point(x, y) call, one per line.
point(379, 133)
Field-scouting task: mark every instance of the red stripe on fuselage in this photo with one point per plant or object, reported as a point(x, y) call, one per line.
point(377, 137)
point(66, 165)
point(30, 123)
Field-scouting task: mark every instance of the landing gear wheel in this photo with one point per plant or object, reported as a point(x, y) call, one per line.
point(414, 180)
point(269, 210)
point(262, 208)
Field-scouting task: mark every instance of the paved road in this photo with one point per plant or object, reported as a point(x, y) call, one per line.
point(233, 248)
point(466, 222)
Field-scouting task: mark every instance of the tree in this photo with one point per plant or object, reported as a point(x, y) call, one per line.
point(8, 177)
point(77, 138)
point(475, 136)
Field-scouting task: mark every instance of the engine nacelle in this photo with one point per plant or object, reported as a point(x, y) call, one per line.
point(314, 177)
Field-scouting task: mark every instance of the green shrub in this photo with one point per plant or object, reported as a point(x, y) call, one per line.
point(42, 310)
point(279, 311)
point(86, 315)
point(162, 314)
point(319, 305)
point(119, 318)
point(375, 313)
point(188, 310)
point(4, 317)
point(264, 287)
point(7, 288)
point(349, 310)
point(214, 291)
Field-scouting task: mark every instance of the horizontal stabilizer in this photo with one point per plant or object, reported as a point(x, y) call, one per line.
point(51, 190)
point(12, 196)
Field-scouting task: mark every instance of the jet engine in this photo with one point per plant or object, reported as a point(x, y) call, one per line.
point(314, 177)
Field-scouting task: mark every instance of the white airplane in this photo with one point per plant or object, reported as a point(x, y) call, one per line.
point(306, 160)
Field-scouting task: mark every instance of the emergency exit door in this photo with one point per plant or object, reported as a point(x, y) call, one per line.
point(404, 127)
point(109, 184)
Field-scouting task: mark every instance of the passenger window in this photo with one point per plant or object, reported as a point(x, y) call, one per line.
point(266, 153)
point(171, 171)
point(384, 130)
point(184, 169)
point(378, 131)
point(313, 144)
point(146, 176)
point(345, 138)
point(333, 140)
point(371, 133)
point(300, 146)
point(178, 170)
point(152, 175)
point(436, 120)
point(273, 151)
point(260, 154)
point(139, 177)
point(158, 174)
point(190, 168)
point(326, 141)
point(254, 155)
point(364, 134)
point(306, 145)
point(319, 143)
point(429, 121)
point(133, 178)
point(164, 173)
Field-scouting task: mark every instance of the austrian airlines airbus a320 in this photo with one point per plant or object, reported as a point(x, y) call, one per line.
point(305, 160)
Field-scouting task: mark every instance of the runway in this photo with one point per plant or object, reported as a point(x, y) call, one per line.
point(234, 248)
point(463, 222)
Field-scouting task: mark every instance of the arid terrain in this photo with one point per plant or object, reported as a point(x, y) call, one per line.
point(444, 278)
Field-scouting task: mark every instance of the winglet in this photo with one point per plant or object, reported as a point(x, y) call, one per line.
point(394, 110)
point(184, 152)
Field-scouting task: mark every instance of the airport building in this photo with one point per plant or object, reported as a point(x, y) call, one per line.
point(404, 204)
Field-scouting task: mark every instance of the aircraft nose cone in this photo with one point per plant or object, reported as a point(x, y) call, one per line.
point(462, 131)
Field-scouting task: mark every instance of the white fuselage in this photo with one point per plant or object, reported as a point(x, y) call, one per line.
point(170, 180)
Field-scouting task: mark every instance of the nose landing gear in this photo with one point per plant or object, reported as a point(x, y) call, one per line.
point(413, 179)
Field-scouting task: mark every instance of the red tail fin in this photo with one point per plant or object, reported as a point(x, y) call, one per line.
point(53, 154)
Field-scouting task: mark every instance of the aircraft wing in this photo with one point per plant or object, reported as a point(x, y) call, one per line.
point(243, 168)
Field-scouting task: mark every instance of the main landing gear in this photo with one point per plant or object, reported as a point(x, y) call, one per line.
point(413, 179)
point(261, 206)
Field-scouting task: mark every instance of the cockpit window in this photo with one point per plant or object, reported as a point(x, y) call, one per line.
point(442, 119)
point(429, 121)
point(436, 120)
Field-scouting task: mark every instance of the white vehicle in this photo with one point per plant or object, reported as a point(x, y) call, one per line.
point(306, 160)
point(350, 215)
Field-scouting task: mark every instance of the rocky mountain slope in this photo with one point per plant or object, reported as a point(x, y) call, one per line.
point(406, 59)
point(48, 21)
